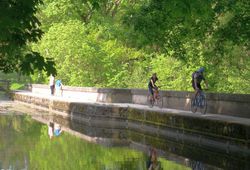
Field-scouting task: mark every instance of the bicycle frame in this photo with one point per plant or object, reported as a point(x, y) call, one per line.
point(156, 98)
point(156, 94)
point(199, 102)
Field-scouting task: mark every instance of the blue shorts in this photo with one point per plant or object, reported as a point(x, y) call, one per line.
point(151, 91)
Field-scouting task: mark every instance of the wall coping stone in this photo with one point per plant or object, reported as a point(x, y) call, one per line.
point(165, 93)
point(218, 103)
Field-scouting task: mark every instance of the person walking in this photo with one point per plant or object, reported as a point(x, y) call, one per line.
point(58, 87)
point(52, 84)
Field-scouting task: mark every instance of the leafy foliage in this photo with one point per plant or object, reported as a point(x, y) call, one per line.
point(19, 26)
point(113, 43)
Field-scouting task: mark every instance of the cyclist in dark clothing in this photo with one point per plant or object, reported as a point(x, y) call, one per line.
point(152, 86)
point(197, 78)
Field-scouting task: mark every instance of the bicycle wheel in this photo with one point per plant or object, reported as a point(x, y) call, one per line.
point(159, 102)
point(193, 105)
point(150, 101)
point(203, 104)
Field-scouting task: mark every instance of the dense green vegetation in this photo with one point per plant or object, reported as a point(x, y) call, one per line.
point(19, 27)
point(118, 43)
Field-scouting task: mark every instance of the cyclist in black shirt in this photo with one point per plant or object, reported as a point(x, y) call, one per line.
point(152, 86)
point(197, 78)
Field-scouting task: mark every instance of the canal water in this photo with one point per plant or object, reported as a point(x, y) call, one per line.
point(25, 144)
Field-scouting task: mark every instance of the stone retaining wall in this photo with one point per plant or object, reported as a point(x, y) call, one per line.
point(218, 103)
point(204, 130)
point(178, 133)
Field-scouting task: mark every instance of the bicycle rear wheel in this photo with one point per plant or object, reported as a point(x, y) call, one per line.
point(203, 104)
point(193, 105)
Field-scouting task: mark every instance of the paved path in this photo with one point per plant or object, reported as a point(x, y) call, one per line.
point(4, 103)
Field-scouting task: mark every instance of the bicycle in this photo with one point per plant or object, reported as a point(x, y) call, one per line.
point(199, 101)
point(157, 100)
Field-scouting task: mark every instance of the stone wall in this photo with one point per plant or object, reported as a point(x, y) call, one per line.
point(206, 131)
point(218, 103)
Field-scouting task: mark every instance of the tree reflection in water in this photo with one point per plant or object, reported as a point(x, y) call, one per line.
point(25, 144)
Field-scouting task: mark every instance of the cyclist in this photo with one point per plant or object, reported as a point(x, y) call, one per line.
point(152, 86)
point(197, 78)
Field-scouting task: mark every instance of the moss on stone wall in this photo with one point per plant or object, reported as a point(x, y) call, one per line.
point(221, 130)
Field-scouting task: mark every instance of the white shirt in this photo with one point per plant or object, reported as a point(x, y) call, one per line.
point(52, 80)
point(50, 132)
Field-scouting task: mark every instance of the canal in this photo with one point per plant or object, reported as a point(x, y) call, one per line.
point(25, 144)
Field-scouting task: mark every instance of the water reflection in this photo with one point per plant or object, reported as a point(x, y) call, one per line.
point(152, 162)
point(50, 129)
point(25, 144)
point(196, 165)
point(17, 137)
point(54, 129)
point(174, 149)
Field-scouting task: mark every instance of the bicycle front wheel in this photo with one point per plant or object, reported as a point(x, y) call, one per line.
point(203, 104)
point(159, 102)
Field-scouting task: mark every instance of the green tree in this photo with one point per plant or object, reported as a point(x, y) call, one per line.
point(113, 43)
point(19, 26)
